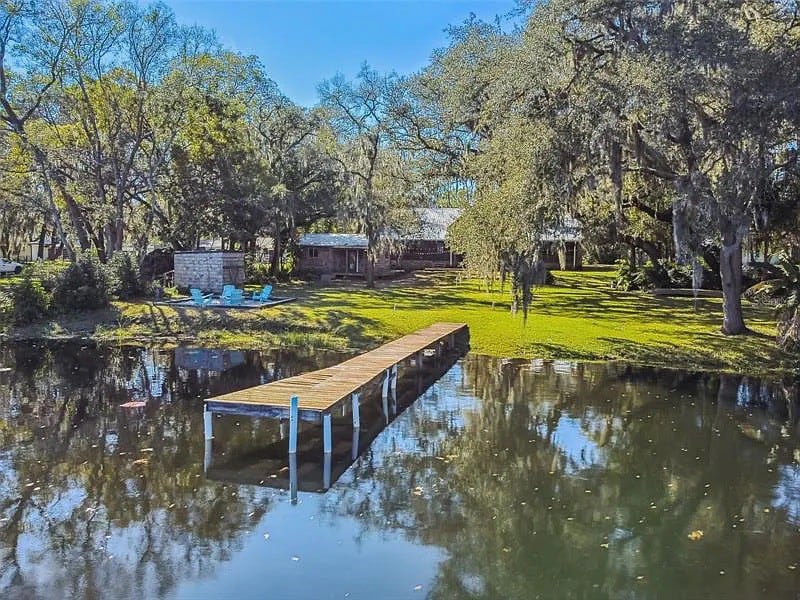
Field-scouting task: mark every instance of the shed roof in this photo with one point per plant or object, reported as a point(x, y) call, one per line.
point(333, 240)
point(433, 223)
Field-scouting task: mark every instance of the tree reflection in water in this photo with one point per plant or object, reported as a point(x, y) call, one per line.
point(97, 501)
point(535, 479)
point(583, 481)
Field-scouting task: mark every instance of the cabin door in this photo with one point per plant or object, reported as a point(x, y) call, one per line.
point(353, 262)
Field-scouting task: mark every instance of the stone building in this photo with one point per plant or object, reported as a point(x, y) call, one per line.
point(208, 270)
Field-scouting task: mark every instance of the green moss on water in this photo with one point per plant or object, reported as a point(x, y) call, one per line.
point(581, 318)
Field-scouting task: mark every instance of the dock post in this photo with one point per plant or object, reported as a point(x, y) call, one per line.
point(354, 453)
point(393, 378)
point(208, 423)
point(418, 359)
point(293, 424)
point(207, 455)
point(356, 398)
point(326, 471)
point(385, 390)
point(293, 477)
point(385, 395)
point(393, 389)
point(327, 433)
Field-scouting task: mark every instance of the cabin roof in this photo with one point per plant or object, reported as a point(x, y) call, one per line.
point(333, 240)
point(433, 223)
point(570, 230)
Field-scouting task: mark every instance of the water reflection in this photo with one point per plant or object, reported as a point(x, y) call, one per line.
point(268, 464)
point(505, 479)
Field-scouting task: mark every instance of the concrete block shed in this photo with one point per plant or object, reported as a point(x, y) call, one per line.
point(209, 270)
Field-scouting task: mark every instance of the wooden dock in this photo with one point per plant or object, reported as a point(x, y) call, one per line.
point(269, 464)
point(314, 396)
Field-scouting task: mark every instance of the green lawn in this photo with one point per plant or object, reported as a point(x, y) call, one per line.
point(581, 317)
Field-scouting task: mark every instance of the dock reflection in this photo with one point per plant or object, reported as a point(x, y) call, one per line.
point(311, 470)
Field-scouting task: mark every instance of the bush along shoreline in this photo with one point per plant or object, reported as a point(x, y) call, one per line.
point(50, 288)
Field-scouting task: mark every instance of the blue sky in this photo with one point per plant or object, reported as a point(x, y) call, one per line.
point(302, 42)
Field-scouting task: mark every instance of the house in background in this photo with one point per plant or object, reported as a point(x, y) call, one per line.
point(330, 255)
point(338, 255)
point(425, 246)
point(562, 246)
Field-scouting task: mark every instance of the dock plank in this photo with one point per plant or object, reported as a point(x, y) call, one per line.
point(320, 391)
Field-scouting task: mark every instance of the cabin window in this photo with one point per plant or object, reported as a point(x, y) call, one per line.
point(313, 253)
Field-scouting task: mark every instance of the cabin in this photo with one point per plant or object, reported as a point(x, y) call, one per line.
point(338, 255)
point(561, 246)
point(425, 245)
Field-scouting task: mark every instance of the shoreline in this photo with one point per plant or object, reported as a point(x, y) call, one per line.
point(579, 319)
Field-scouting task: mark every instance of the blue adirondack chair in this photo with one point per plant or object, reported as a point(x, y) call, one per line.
point(198, 298)
point(231, 295)
point(263, 295)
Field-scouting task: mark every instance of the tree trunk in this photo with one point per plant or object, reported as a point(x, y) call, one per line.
point(730, 270)
point(40, 244)
point(369, 269)
point(276, 250)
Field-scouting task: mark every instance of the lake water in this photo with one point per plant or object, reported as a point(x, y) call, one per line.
point(493, 479)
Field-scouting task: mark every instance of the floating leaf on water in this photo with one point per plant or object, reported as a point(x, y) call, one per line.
point(696, 535)
point(133, 404)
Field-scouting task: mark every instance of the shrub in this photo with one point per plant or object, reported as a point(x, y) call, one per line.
point(83, 286)
point(46, 271)
point(30, 301)
point(648, 276)
point(6, 304)
point(256, 272)
point(126, 280)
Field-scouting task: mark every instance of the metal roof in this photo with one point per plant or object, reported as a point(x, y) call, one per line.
point(569, 230)
point(433, 223)
point(333, 240)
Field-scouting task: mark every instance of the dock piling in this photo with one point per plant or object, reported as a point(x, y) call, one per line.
point(327, 433)
point(293, 424)
point(354, 453)
point(356, 399)
point(326, 471)
point(208, 423)
point(385, 388)
point(293, 477)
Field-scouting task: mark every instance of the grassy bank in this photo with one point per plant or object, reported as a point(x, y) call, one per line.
point(581, 318)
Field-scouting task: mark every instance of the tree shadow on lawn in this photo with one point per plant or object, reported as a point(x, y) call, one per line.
point(705, 352)
point(557, 352)
point(607, 305)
